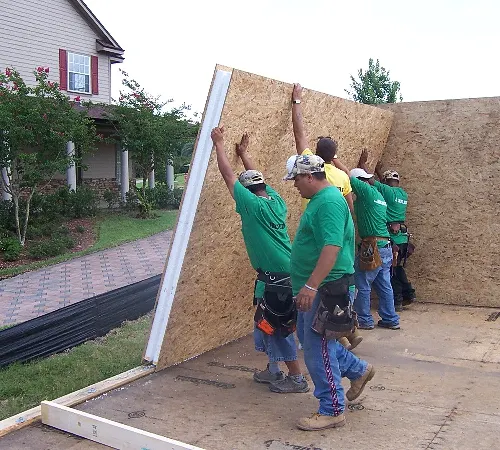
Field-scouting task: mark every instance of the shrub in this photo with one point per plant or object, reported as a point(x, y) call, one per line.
point(83, 202)
point(47, 249)
point(11, 248)
point(7, 215)
point(112, 198)
point(63, 230)
point(48, 229)
point(162, 197)
point(34, 232)
point(80, 229)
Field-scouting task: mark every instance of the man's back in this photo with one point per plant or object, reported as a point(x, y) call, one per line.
point(371, 210)
point(263, 224)
point(396, 199)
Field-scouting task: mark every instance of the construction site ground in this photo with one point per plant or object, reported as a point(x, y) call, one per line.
point(437, 386)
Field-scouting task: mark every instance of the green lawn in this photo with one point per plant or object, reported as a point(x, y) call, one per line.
point(23, 386)
point(112, 229)
point(179, 180)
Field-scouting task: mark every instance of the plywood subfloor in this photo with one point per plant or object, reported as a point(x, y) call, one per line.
point(448, 155)
point(213, 300)
point(436, 388)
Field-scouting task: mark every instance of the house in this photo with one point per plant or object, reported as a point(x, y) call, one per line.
point(67, 37)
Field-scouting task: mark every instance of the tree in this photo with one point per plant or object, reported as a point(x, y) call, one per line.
point(149, 132)
point(36, 123)
point(374, 86)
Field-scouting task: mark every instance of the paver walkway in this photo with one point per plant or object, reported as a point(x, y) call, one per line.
point(36, 293)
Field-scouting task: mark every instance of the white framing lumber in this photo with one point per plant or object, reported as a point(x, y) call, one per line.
point(74, 398)
point(107, 432)
point(187, 213)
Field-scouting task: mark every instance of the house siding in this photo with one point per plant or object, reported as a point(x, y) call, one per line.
point(101, 164)
point(32, 32)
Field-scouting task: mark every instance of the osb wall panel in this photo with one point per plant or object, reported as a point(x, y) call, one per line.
point(213, 301)
point(448, 155)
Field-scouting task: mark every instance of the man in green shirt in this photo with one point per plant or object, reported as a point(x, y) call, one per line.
point(263, 224)
point(397, 202)
point(374, 259)
point(323, 256)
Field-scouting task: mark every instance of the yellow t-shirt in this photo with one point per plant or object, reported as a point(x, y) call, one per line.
point(335, 177)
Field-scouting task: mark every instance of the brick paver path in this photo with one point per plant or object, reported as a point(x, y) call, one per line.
point(35, 293)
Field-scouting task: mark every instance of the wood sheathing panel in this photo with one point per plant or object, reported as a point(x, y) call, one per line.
point(213, 301)
point(448, 155)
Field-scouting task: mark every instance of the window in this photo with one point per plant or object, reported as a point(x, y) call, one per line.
point(79, 73)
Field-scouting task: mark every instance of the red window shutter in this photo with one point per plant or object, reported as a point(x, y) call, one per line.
point(63, 70)
point(94, 71)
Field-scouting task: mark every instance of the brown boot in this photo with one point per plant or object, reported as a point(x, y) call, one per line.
point(354, 339)
point(358, 385)
point(318, 422)
point(345, 342)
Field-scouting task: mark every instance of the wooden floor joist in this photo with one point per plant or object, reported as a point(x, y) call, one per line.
point(74, 398)
point(104, 431)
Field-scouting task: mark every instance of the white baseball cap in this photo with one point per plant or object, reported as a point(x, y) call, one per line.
point(360, 173)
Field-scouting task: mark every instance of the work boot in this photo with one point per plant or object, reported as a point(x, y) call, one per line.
point(389, 326)
point(289, 385)
point(359, 384)
point(318, 422)
point(354, 339)
point(345, 342)
point(265, 376)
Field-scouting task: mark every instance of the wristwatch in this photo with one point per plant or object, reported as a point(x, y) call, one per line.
point(295, 102)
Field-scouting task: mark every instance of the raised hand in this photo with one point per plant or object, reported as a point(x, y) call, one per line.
point(242, 147)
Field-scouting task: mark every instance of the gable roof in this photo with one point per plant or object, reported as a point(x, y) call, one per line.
point(106, 43)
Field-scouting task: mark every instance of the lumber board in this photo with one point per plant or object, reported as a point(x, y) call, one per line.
point(448, 156)
point(104, 431)
point(33, 415)
point(212, 301)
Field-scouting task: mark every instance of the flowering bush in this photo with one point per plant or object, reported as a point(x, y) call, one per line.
point(37, 122)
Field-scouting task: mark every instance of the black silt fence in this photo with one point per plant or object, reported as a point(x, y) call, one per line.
point(74, 324)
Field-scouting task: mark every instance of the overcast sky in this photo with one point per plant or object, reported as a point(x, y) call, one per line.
point(437, 49)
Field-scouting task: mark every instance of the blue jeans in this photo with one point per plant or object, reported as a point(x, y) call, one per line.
point(380, 278)
point(300, 328)
point(327, 362)
point(276, 347)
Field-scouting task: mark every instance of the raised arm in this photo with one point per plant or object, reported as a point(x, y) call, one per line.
point(241, 151)
point(225, 168)
point(297, 120)
point(340, 165)
point(363, 158)
point(378, 170)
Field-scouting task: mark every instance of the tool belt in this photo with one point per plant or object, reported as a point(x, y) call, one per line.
point(369, 256)
point(335, 316)
point(276, 312)
point(401, 252)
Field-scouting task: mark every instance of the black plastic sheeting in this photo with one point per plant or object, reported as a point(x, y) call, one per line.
point(77, 323)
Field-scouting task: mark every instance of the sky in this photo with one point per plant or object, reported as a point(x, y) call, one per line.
point(438, 49)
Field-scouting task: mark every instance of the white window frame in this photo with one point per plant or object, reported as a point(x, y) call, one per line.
point(80, 73)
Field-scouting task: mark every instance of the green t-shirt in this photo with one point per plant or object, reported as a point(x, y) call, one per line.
point(263, 224)
point(397, 201)
point(371, 210)
point(326, 221)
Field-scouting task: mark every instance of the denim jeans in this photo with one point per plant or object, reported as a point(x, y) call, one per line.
point(300, 328)
point(276, 347)
point(327, 362)
point(380, 278)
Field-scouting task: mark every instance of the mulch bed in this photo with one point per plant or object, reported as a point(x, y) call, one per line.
point(83, 240)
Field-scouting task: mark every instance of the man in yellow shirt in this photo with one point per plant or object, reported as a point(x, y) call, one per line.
point(326, 148)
